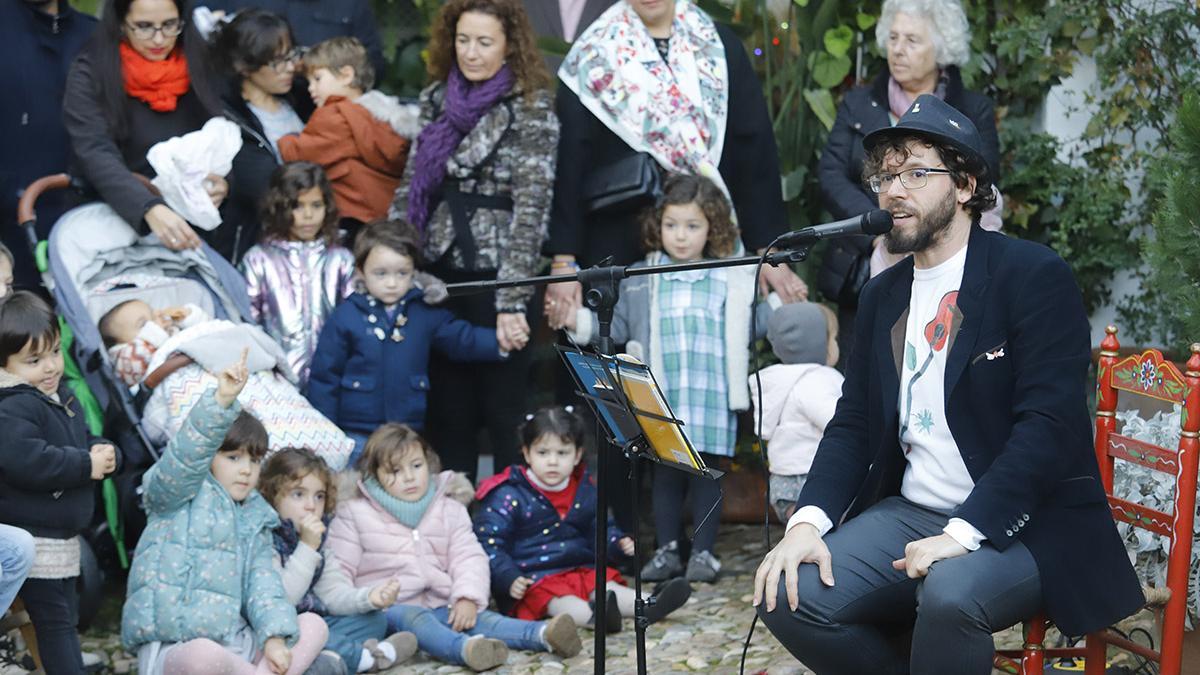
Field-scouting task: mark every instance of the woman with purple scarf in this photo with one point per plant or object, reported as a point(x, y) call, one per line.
point(478, 187)
point(924, 41)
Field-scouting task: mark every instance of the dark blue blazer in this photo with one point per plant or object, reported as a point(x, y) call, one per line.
point(1021, 422)
point(361, 377)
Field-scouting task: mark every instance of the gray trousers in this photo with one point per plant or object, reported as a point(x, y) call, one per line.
point(852, 628)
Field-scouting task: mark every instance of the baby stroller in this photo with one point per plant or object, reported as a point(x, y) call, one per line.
point(110, 408)
point(94, 261)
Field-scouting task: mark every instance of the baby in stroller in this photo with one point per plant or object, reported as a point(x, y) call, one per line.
point(133, 331)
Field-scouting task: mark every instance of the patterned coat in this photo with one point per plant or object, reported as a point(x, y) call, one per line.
point(511, 152)
point(204, 561)
point(524, 535)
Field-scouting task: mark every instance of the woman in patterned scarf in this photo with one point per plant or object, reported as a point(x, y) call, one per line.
point(478, 188)
point(659, 77)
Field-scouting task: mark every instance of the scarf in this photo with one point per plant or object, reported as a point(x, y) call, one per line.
point(675, 110)
point(158, 84)
point(408, 513)
point(287, 538)
point(465, 104)
point(899, 100)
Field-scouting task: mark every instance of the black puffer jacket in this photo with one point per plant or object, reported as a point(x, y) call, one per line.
point(46, 484)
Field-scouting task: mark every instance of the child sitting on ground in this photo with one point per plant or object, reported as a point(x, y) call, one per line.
point(372, 362)
point(49, 465)
point(300, 487)
point(359, 135)
point(537, 524)
point(133, 331)
point(799, 396)
point(204, 595)
point(403, 525)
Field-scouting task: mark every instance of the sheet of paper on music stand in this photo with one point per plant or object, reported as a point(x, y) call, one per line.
point(666, 439)
point(589, 375)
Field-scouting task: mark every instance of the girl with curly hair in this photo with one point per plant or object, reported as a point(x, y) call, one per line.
point(297, 273)
point(477, 188)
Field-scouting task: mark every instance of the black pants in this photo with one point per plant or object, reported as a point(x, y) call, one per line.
point(53, 606)
point(465, 398)
point(670, 488)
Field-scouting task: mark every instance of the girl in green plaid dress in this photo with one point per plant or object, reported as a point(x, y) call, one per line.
point(693, 329)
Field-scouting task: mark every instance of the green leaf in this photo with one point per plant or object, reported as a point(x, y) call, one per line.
point(801, 3)
point(829, 70)
point(553, 45)
point(865, 21)
point(839, 40)
point(793, 183)
point(822, 105)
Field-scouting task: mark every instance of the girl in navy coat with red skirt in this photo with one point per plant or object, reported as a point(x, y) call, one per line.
point(537, 523)
point(372, 360)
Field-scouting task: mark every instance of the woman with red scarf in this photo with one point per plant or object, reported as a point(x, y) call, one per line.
point(140, 80)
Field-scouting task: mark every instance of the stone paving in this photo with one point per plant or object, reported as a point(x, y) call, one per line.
point(704, 636)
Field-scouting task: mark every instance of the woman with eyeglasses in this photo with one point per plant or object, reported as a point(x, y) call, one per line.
point(924, 41)
point(257, 57)
point(142, 79)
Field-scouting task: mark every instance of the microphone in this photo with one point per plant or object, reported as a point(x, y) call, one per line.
point(874, 222)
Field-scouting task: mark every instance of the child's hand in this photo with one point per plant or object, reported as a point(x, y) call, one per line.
point(311, 530)
point(277, 655)
point(104, 460)
point(462, 615)
point(519, 586)
point(384, 595)
point(512, 331)
point(626, 544)
point(231, 381)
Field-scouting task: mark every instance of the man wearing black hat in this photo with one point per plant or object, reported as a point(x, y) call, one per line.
point(959, 462)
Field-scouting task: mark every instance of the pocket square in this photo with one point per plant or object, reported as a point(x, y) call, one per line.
point(993, 355)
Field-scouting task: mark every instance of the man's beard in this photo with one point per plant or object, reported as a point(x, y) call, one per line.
point(930, 229)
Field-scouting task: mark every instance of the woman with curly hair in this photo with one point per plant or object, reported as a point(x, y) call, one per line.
point(478, 187)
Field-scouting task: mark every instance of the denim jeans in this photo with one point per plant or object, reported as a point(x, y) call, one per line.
point(360, 442)
point(435, 636)
point(16, 557)
point(348, 633)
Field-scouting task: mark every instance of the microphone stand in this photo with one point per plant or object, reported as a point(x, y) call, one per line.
point(603, 288)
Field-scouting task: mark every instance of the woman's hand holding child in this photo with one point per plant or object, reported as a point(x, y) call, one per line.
point(512, 331)
point(384, 595)
point(231, 381)
point(462, 615)
point(311, 530)
point(277, 655)
point(626, 544)
point(104, 460)
point(519, 586)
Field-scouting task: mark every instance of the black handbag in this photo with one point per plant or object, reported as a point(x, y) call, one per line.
point(625, 184)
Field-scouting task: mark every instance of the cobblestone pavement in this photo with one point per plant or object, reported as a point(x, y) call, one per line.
point(704, 636)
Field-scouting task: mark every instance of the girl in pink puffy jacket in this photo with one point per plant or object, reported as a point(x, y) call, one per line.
point(401, 524)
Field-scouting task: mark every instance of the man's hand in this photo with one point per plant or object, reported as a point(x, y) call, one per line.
point(311, 530)
point(231, 381)
point(783, 281)
point(104, 460)
point(462, 615)
point(920, 554)
point(384, 595)
point(801, 544)
point(626, 544)
point(519, 586)
point(277, 655)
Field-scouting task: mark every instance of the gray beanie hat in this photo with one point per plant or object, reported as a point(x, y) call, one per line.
point(799, 333)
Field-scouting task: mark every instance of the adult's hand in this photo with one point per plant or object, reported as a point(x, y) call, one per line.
point(217, 188)
point(562, 299)
point(512, 331)
point(783, 281)
point(172, 230)
point(801, 544)
point(920, 554)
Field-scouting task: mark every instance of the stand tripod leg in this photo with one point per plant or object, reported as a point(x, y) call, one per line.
point(639, 605)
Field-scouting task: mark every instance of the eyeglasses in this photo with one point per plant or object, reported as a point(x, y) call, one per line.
point(913, 179)
point(281, 63)
point(144, 30)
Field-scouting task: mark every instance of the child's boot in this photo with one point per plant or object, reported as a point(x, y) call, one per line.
point(612, 614)
point(561, 636)
point(670, 597)
point(396, 649)
point(480, 653)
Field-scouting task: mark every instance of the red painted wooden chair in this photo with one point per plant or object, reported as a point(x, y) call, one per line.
point(1149, 375)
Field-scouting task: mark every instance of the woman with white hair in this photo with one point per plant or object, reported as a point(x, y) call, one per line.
point(925, 42)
